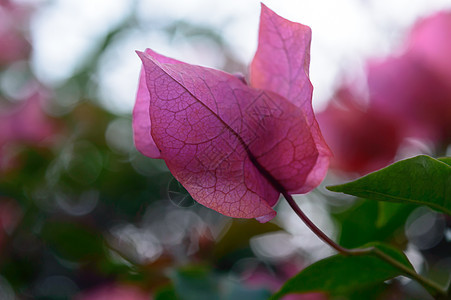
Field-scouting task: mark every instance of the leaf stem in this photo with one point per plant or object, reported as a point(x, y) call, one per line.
point(312, 226)
point(414, 275)
point(363, 251)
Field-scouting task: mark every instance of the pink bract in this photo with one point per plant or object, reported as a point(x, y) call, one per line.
point(235, 147)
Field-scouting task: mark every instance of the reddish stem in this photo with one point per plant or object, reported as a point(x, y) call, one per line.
point(319, 232)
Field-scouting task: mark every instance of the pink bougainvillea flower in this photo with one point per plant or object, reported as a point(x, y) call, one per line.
point(363, 139)
point(235, 147)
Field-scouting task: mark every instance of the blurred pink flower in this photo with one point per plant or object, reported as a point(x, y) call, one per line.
point(416, 86)
point(405, 88)
point(114, 292)
point(362, 139)
point(25, 124)
point(409, 97)
point(430, 43)
point(14, 21)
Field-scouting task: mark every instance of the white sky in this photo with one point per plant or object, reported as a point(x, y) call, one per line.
point(345, 32)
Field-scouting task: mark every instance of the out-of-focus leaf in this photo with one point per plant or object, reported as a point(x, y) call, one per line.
point(339, 274)
point(386, 212)
point(358, 224)
point(73, 241)
point(392, 216)
point(368, 221)
point(421, 180)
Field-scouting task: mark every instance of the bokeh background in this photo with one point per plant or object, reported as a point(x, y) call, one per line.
point(83, 215)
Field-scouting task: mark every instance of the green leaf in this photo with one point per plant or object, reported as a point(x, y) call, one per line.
point(367, 221)
point(373, 292)
point(357, 224)
point(446, 160)
point(420, 180)
point(391, 220)
point(338, 274)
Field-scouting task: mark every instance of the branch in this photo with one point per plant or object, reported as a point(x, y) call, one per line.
point(364, 251)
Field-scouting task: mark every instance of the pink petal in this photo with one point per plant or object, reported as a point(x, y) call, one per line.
point(218, 137)
point(281, 65)
point(141, 119)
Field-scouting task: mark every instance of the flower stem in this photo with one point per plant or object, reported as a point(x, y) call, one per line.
point(364, 251)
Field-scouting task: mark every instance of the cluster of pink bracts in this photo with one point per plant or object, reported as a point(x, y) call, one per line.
point(235, 147)
point(409, 96)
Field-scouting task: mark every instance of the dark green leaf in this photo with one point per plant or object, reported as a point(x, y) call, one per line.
point(446, 160)
point(373, 292)
point(338, 274)
point(420, 180)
